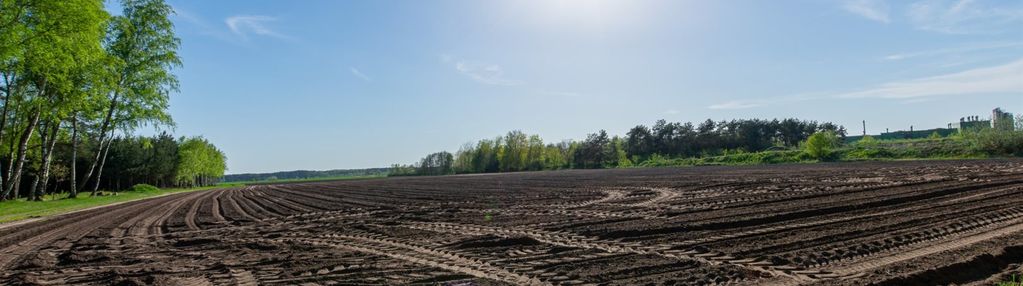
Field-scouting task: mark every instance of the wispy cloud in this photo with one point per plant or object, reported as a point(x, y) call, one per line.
point(359, 74)
point(1006, 78)
point(876, 10)
point(738, 104)
point(244, 25)
point(484, 73)
point(964, 17)
point(977, 47)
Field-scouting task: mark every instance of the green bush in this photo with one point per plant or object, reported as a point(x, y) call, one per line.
point(867, 141)
point(820, 145)
point(996, 142)
point(143, 188)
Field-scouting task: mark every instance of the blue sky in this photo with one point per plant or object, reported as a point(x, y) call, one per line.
point(284, 85)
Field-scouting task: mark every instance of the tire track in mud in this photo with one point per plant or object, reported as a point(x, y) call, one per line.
point(791, 226)
point(216, 210)
point(193, 210)
point(579, 241)
point(247, 207)
point(232, 202)
point(917, 230)
point(958, 234)
point(858, 269)
point(663, 194)
point(79, 225)
point(411, 253)
point(816, 212)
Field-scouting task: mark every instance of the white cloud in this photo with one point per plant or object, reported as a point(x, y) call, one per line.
point(964, 17)
point(480, 72)
point(738, 104)
point(876, 10)
point(359, 74)
point(243, 25)
point(1006, 78)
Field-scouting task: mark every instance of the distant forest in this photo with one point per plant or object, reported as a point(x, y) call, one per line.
point(303, 174)
point(517, 151)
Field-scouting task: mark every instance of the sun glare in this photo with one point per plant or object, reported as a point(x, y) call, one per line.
point(583, 14)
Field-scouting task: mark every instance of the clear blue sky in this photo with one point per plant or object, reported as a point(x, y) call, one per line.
point(284, 85)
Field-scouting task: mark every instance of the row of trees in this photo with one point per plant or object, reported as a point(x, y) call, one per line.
point(163, 161)
point(440, 163)
point(73, 76)
point(711, 138)
point(517, 151)
point(306, 174)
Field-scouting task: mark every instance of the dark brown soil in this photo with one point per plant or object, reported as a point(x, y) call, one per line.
point(889, 223)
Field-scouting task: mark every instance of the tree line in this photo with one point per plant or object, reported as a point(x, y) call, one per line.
point(73, 78)
point(518, 151)
point(305, 174)
point(163, 161)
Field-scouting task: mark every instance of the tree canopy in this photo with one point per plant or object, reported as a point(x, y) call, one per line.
point(71, 77)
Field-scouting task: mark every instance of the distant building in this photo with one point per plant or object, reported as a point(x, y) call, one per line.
point(971, 123)
point(1001, 120)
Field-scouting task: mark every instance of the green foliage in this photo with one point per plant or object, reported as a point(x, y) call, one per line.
point(144, 47)
point(440, 163)
point(143, 188)
point(402, 170)
point(737, 142)
point(162, 161)
point(516, 151)
point(595, 152)
point(199, 162)
point(711, 138)
point(735, 158)
point(133, 160)
point(867, 141)
point(821, 144)
point(1019, 122)
point(934, 135)
point(996, 142)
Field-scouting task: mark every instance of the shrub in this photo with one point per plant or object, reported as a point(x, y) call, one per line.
point(143, 188)
point(867, 141)
point(997, 142)
point(820, 145)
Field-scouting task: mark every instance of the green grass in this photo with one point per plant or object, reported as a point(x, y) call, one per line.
point(54, 205)
point(307, 180)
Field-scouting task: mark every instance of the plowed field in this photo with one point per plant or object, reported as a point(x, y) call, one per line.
point(897, 223)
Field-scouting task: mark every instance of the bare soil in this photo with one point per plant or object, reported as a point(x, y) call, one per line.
point(887, 223)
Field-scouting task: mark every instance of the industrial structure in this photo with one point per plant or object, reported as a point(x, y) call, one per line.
point(1000, 120)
